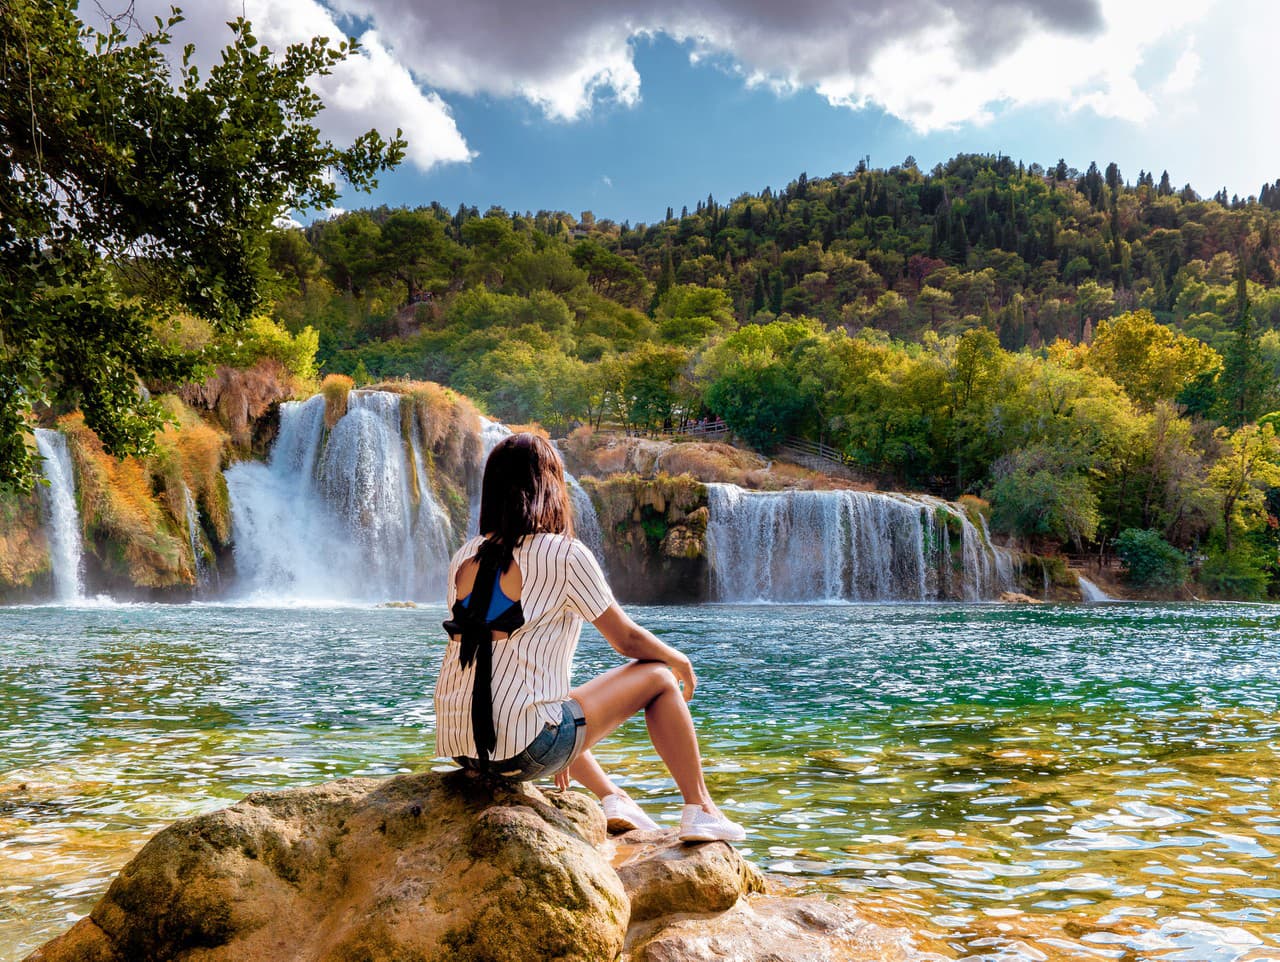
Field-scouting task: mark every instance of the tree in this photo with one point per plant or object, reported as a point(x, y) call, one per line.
point(1250, 463)
point(127, 192)
point(413, 249)
point(688, 314)
point(1150, 361)
point(1244, 375)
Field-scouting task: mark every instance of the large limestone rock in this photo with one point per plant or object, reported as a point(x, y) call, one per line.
point(418, 868)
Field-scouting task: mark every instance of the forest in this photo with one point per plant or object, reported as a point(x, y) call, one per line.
point(1098, 359)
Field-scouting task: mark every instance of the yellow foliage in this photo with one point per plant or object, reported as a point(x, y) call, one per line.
point(191, 453)
point(1151, 361)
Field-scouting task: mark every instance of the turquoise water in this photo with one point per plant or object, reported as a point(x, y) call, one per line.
point(1060, 782)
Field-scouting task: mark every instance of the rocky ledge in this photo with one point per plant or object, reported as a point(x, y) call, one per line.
point(434, 867)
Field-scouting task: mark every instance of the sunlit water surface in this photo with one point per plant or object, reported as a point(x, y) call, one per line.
point(1060, 782)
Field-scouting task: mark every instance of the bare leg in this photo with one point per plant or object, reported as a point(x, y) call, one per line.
point(588, 772)
point(612, 698)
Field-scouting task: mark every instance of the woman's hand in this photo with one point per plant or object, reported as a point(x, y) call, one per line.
point(682, 668)
point(562, 780)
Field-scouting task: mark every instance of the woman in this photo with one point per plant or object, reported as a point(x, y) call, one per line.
point(518, 595)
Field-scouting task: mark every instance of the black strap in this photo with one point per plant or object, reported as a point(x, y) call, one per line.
point(471, 622)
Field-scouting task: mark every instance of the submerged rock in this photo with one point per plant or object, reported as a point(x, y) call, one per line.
point(418, 868)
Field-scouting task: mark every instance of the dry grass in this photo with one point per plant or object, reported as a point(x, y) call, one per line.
point(192, 453)
point(711, 461)
point(124, 524)
point(335, 389)
point(238, 397)
point(531, 428)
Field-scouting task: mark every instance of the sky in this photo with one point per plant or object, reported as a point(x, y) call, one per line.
point(626, 107)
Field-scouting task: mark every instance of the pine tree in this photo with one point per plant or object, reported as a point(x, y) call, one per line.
point(1166, 187)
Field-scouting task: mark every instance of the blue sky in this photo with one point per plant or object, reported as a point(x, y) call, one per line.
point(624, 107)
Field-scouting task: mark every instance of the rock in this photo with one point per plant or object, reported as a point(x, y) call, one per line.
point(1018, 598)
point(771, 930)
point(417, 868)
point(664, 876)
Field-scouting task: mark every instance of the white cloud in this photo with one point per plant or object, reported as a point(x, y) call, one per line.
point(1185, 72)
point(933, 63)
point(606, 180)
point(369, 89)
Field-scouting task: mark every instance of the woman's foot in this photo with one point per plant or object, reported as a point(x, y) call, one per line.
point(624, 815)
point(699, 825)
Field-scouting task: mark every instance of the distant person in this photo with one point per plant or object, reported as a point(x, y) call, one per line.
point(518, 595)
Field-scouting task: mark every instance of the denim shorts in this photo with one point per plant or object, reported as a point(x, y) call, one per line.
point(549, 754)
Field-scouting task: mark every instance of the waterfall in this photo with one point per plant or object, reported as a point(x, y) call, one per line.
point(347, 515)
point(1091, 592)
point(198, 557)
point(61, 516)
point(586, 523)
point(792, 546)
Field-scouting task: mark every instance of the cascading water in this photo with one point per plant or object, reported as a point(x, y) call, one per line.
point(349, 516)
point(794, 546)
point(1091, 592)
point(586, 523)
point(62, 517)
point(196, 541)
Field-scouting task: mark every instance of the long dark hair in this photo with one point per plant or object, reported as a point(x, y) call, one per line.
point(523, 493)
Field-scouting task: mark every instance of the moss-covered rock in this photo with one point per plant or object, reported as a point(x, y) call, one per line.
point(24, 549)
point(655, 535)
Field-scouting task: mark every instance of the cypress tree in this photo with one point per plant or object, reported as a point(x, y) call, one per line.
point(1244, 373)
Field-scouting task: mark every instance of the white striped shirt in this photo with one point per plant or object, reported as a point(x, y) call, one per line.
point(562, 585)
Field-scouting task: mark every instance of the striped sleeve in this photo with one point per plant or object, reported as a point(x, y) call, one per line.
point(586, 591)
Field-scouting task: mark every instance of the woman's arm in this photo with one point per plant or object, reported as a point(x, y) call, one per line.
point(631, 641)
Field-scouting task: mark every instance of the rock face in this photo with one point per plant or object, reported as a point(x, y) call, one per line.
point(655, 536)
point(419, 868)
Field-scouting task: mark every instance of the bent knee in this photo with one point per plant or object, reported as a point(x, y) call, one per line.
point(657, 676)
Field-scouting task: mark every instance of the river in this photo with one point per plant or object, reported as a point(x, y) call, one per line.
point(1093, 781)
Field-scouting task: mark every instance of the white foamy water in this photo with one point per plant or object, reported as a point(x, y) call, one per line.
point(344, 515)
point(61, 516)
point(792, 546)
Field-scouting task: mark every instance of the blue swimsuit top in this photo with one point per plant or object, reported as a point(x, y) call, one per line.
point(498, 602)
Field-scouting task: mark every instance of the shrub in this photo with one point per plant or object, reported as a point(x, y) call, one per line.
point(1150, 561)
point(1238, 573)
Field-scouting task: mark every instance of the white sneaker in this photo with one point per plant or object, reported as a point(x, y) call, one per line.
point(624, 815)
point(699, 826)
